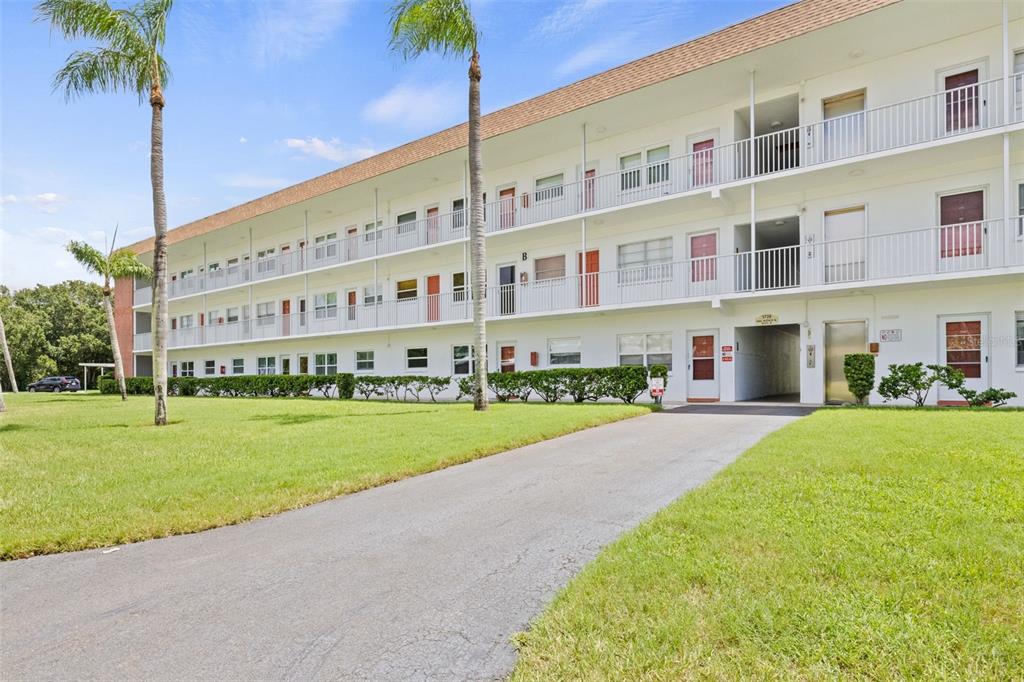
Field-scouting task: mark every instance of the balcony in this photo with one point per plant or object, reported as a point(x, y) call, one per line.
point(948, 249)
point(932, 118)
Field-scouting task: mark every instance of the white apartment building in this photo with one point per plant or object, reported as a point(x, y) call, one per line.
point(835, 176)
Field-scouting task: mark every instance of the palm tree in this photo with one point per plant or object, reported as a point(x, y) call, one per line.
point(127, 59)
point(114, 265)
point(447, 27)
point(7, 357)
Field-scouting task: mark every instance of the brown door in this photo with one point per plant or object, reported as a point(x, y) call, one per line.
point(432, 225)
point(703, 358)
point(433, 298)
point(961, 216)
point(703, 163)
point(350, 303)
point(352, 243)
point(703, 249)
point(588, 189)
point(508, 359)
point(589, 268)
point(286, 320)
point(962, 101)
point(507, 207)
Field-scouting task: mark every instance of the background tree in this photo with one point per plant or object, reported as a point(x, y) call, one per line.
point(447, 27)
point(7, 357)
point(114, 265)
point(127, 59)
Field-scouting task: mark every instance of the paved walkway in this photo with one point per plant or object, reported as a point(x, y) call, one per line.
point(426, 578)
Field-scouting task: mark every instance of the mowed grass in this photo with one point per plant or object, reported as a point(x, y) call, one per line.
point(852, 544)
point(79, 471)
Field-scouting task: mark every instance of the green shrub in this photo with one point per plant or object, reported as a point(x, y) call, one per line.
point(954, 379)
point(625, 383)
point(912, 382)
point(107, 385)
point(859, 369)
point(244, 385)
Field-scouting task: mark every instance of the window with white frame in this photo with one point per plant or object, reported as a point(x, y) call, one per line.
point(185, 321)
point(185, 274)
point(646, 349)
point(237, 366)
point(325, 363)
point(657, 165)
point(231, 315)
point(213, 267)
point(644, 260)
point(325, 246)
point(415, 358)
point(364, 360)
point(266, 365)
point(188, 368)
point(264, 313)
point(232, 264)
point(372, 231)
point(458, 286)
point(551, 267)
point(406, 222)
point(463, 360)
point(1020, 211)
point(548, 188)
point(564, 351)
point(265, 260)
point(213, 317)
point(629, 171)
point(1020, 338)
point(458, 213)
point(210, 367)
point(325, 305)
point(369, 298)
point(406, 289)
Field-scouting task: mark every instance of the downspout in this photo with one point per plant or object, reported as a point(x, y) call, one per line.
point(304, 308)
point(376, 242)
point(1007, 203)
point(248, 320)
point(466, 275)
point(753, 192)
point(583, 203)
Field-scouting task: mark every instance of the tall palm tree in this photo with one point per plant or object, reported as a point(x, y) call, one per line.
point(447, 27)
point(127, 59)
point(114, 265)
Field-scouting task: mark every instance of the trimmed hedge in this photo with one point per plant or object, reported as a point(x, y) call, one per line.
point(859, 369)
point(551, 385)
point(243, 385)
point(388, 387)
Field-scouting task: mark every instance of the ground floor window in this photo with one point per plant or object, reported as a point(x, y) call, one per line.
point(564, 351)
point(303, 364)
point(1020, 338)
point(364, 360)
point(266, 365)
point(646, 349)
point(211, 367)
point(188, 368)
point(238, 366)
point(463, 360)
point(326, 363)
point(415, 358)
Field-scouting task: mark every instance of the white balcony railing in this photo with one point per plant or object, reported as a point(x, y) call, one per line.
point(965, 247)
point(935, 117)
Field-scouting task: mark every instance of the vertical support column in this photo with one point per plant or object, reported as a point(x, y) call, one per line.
point(1008, 226)
point(753, 191)
point(376, 241)
point(466, 274)
point(252, 311)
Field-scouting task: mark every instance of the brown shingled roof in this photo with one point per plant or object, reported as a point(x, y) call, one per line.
point(761, 31)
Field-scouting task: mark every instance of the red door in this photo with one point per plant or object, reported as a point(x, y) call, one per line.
point(433, 298)
point(961, 216)
point(286, 311)
point(703, 358)
point(508, 359)
point(507, 207)
point(432, 225)
point(703, 249)
point(589, 277)
point(351, 304)
point(703, 163)
point(588, 189)
point(962, 101)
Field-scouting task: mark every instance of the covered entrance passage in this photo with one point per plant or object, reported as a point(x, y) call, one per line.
point(768, 363)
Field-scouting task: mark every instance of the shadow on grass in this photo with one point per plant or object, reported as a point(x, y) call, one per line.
point(7, 428)
point(291, 419)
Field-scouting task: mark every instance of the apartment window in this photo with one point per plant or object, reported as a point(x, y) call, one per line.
point(407, 222)
point(629, 167)
point(265, 260)
point(264, 314)
point(325, 305)
point(564, 351)
point(463, 360)
point(1020, 211)
point(188, 368)
point(364, 360)
point(210, 367)
point(325, 246)
point(266, 365)
point(185, 321)
point(552, 267)
point(458, 213)
point(406, 289)
point(326, 363)
point(458, 286)
point(231, 315)
point(648, 253)
point(371, 231)
point(646, 349)
point(657, 165)
point(369, 298)
point(1020, 338)
point(550, 187)
point(185, 274)
point(213, 267)
point(303, 364)
point(415, 358)
point(213, 317)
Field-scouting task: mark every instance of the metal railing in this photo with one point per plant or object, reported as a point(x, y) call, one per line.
point(929, 118)
point(964, 247)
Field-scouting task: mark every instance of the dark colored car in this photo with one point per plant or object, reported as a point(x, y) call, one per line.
point(55, 384)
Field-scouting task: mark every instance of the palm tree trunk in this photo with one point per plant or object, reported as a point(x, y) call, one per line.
point(114, 345)
point(478, 249)
point(156, 174)
point(7, 357)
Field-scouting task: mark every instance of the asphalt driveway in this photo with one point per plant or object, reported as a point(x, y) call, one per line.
point(426, 578)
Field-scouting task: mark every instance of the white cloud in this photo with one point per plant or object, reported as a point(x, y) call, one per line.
point(595, 54)
point(46, 202)
point(418, 107)
point(288, 30)
point(250, 181)
point(332, 149)
point(46, 244)
point(568, 18)
point(242, 140)
point(8, 199)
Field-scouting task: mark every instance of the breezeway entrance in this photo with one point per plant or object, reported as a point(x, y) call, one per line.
point(768, 363)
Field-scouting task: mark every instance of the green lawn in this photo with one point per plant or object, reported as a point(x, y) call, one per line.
point(859, 544)
point(83, 470)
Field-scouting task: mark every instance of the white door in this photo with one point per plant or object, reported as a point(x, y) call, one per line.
point(963, 344)
point(702, 366)
point(843, 127)
point(844, 245)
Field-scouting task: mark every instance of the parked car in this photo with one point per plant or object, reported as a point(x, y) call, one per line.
point(55, 385)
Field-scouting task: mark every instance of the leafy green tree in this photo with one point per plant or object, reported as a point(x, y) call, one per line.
point(128, 58)
point(114, 265)
point(447, 27)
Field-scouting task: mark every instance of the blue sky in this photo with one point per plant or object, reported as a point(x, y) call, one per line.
point(266, 94)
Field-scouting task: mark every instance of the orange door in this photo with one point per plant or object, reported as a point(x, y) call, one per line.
point(286, 310)
point(703, 249)
point(433, 298)
point(962, 101)
point(508, 359)
point(507, 207)
point(589, 277)
point(351, 304)
point(703, 163)
point(588, 189)
point(432, 225)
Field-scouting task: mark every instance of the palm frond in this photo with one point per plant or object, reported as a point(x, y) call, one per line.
point(443, 26)
point(124, 263)
point(102, 70)
point(95, 19)
point(88, 257)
